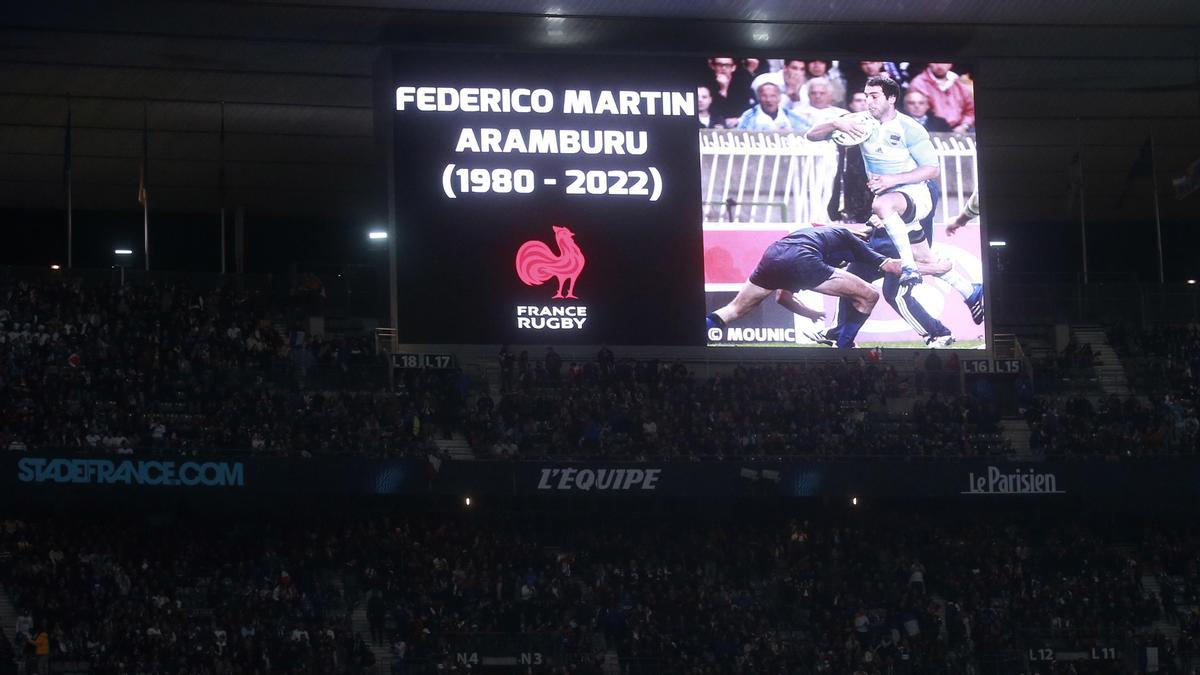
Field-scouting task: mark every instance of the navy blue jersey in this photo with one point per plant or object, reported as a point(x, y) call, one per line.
point(805, 259)
point(835, 245)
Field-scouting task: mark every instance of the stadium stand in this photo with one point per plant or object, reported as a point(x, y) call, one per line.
point(124, 368)
point(7, 657)
point(1157, 417)
point(895, 591)
point(148, 367)
point(158, 368)
point(660, 410)
point(135, 368)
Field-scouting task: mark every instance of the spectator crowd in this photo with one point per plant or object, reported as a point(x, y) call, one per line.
point(136, 368)
point(903, 592)
point(795, 94)
point(168, 368)
point(1159, 417)
point(649, 409)
point(154, 367)
point(124, 368)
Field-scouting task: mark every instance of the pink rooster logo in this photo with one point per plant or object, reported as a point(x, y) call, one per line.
point(536, 263)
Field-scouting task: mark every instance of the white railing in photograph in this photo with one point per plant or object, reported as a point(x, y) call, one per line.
point(781, 178)
point(960, 171)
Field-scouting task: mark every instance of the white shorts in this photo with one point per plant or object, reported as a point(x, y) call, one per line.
point(920, 202)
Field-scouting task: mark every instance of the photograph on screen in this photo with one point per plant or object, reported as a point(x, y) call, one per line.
point(840, 203)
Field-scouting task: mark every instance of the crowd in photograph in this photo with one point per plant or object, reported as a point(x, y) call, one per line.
point(797, 93)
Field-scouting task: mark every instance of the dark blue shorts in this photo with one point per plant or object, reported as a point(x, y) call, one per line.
point(790, 266)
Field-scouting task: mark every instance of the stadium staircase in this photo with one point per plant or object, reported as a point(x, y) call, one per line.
point(1166, 626)
point(456, 447)
point(611, 664)
point(361, 625)
point(1038, 348)
point(8, 616)
point(8, 631)
point(1016, 432)
point(1109, 372)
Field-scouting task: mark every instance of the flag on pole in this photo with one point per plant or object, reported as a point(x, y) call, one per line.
point(143, 183)
point(1074, 175)
point(1142, 167)
point(1187, 182)
point(67, 150)
point(143, 177)
point(221, 185)
point(67, 188)
point(221, 164)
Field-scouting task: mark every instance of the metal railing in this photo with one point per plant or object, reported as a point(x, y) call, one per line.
point(744, 174)
point(751, 167)
point(732, 207)
point(959, 175)
point(1007, 346)
point(385, 341)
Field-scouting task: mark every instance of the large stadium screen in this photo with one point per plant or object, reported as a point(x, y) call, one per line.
point(720, 201)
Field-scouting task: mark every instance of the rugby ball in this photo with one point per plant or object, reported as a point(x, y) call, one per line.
point(863, 119)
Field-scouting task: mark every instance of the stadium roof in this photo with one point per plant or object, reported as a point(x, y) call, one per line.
point(294, 79)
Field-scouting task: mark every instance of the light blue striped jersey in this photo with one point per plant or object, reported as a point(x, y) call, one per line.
point(899, 145)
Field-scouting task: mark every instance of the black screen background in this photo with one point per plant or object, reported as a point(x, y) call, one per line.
point(457, 284)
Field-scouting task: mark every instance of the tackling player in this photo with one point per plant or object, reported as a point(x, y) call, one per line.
point(805, 260)
point(900, 159)
point(909, 308)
